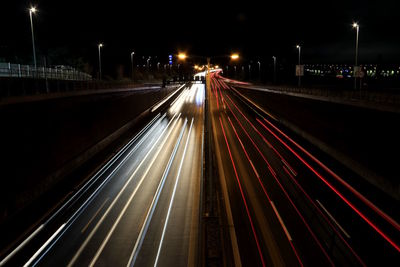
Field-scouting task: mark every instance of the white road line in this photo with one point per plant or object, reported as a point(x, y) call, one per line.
point(84, 189)
point(281, 221)
point(289, 168)
point(173, 195)
point(154, 202)
point(82, 247)
point(43, 246)
point(112, 161)
point(165, 100)
point(225, 193)
point(176, 99)
point(333, 219)
point(6, 259)
point(105, 241)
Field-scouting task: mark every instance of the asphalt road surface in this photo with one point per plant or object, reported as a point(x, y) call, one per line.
point(284, 207)
point(287, 207)
point(144, 209)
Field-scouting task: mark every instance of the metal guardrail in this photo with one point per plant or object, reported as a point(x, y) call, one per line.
point(383, 96)
point(26, 71)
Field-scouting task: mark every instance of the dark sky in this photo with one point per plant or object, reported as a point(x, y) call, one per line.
point(253, 28)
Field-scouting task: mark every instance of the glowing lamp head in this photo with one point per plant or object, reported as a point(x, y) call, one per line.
point(33, 10)
point(297, 46)
point(235, 56)
point(355, 25)
point(182, 56)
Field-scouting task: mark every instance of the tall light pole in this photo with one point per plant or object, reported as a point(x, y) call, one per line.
point(274, 58)
point(249, 72)
point(357, 27)
point(299, 47)
point(133, 53)
point(259, 70)
point(33, 10)
point(148, 63)
point(99, 47)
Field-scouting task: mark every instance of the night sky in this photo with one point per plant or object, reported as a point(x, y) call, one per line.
point(254, 29)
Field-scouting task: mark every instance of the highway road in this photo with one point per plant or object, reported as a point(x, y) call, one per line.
point(142, 208)
point(286, 206)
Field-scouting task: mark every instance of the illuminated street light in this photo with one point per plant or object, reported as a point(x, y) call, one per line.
point(99, 47)
point(274, 58)
point(357, 27)
point(299, 47)
point(33, 10)
point(148, 63)
point(235, 56)
point(132, 54)
point(182, 56)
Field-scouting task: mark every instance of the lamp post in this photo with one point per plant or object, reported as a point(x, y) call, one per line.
point(132, 54)
point(33, 10)
point(274, 58)
point(99, 47)
point(148, 63)
point(259, 70)
point(299, 47)
point(357, 27)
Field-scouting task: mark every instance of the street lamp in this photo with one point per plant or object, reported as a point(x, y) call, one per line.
point(357, 27)
point(259, 70)
point(182, 56)
point(249, 72)
point(33, 10)
point(148, 63)
point(274, 58)
point(235, 56)
point(299, 74)
point(132, 54)
point(99, 47)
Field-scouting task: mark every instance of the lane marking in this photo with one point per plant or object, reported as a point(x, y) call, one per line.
point(85, 188)
point(150, 212)
point(348, 186)
point(94, 216)
point(82, 190)
point(225, 193)
point(333, 219)
point(165, 99)
point(4, 261)
point(286, 194)
point(121, 214)
point(289, 167)
point(243, 197)
point(173, 195)
point(113, 160)
point(43, 246)
point(325, 218)
point(281, 221)
point(82, 247)
point(179, 96)
point(351, 205)
point(265, 192)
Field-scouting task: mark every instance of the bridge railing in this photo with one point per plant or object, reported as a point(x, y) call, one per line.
point(27, 71)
